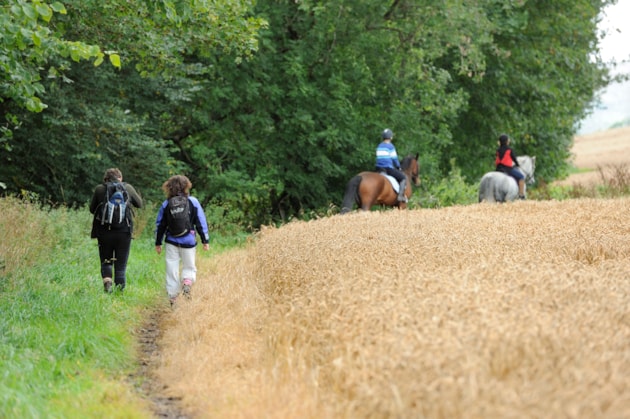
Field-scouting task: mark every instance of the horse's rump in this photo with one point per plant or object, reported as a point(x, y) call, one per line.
point(367, 189)
point(497, 187)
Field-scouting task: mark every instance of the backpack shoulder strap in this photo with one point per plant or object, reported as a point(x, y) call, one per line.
point(121, 186)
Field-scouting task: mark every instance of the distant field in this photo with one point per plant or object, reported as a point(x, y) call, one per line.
point(606, 150)
point(482, 311)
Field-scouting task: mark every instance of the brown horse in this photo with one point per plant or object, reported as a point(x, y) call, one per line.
point(371, 188)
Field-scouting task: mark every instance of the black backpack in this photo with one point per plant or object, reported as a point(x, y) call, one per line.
point(116, 208)
point(178, 216)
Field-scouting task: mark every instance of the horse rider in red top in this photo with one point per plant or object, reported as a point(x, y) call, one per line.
point(507, 163)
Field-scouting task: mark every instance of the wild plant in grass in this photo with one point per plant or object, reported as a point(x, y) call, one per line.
point(25, 235)
point(614, 181)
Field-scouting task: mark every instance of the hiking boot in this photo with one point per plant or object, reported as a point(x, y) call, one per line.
point(186, 288)
point(107, 285)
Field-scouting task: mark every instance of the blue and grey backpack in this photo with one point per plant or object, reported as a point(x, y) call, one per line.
point(116, 206)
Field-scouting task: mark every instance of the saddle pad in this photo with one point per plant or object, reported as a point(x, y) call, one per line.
point(392, 180)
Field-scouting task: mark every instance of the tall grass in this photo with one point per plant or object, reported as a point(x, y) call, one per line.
point(613, 181)
point(22, 236)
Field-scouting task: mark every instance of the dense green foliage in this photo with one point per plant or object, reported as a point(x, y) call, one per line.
point(270, 107)
point(28, 43)
point(536, 88)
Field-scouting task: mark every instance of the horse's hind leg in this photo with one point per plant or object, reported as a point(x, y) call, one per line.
point(366, 200)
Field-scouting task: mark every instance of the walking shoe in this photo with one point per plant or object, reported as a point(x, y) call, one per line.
point(172, 301)
point(107, 285)
point(521, 197)
point(186, 288)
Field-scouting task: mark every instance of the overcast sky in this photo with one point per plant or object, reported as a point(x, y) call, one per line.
point(615, 100)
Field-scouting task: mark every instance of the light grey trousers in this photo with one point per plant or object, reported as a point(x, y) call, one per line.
point(174, 257)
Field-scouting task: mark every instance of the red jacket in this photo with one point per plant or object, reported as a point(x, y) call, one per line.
point(504, 158)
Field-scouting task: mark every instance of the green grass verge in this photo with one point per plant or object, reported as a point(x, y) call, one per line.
point(67, 349)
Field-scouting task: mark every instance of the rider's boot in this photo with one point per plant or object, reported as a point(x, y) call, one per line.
point(401, 191)
point(521, 189)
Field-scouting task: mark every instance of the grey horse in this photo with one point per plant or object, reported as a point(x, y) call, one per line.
point(500, 187)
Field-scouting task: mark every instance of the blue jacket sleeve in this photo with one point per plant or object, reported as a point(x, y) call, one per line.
point(160, 224)
point(201, 224)
point(395, 159)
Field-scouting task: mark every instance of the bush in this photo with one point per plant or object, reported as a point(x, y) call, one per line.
point(452, 190)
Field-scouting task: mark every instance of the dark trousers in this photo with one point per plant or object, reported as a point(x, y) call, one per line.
point(512, 171)
point(113, 250)
point(400, 176)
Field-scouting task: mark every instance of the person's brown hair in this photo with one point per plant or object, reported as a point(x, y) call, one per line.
point(112, 175)
point(177, 185)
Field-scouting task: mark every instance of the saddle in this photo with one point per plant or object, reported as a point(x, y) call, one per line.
point(391, 179)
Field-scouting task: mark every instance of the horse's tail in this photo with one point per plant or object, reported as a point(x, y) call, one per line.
point(486, 189)
point(351, 196)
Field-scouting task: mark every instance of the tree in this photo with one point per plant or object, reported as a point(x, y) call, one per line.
point(153, 35)
point(61, 153)
point(542, 72)
point(27, 45)
point(270, 108)
point(308, 110)
point(110, 118)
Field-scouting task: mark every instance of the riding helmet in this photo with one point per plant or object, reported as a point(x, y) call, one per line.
point(387, 134)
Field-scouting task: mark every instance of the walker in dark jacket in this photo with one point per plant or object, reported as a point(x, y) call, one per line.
point(113, 245)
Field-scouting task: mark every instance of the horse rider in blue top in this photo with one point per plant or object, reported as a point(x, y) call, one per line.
point(387, 161)
point(506, 162)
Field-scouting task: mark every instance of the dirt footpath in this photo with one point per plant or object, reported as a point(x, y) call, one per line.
point(162, 405)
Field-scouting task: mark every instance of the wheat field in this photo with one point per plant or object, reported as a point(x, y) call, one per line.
point(481, 311)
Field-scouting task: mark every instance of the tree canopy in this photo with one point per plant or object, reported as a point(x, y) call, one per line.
point(271, 106)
